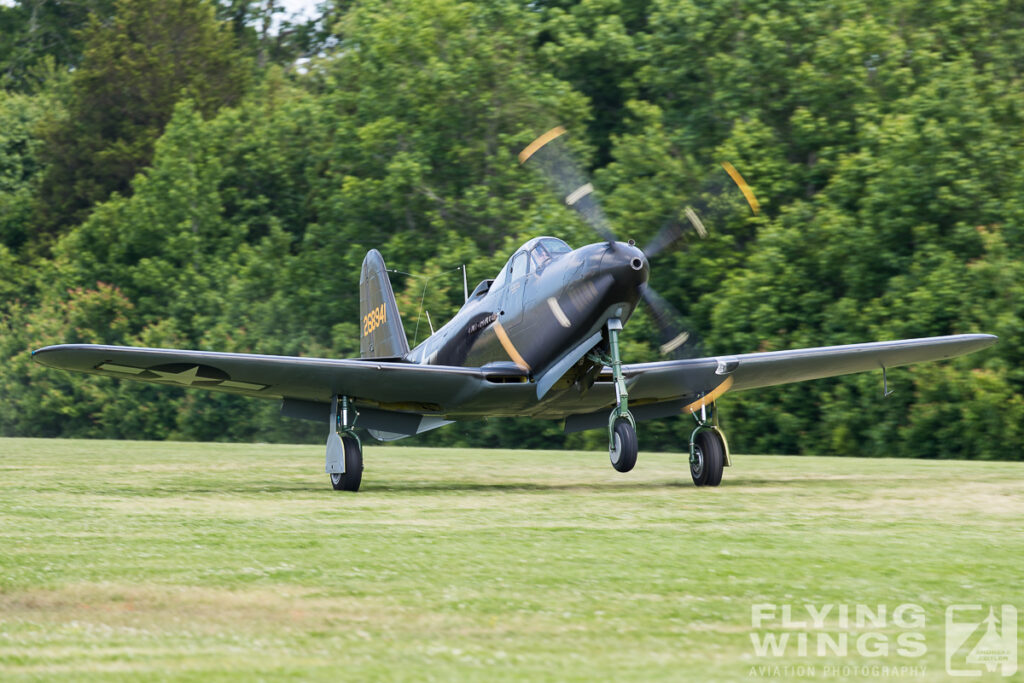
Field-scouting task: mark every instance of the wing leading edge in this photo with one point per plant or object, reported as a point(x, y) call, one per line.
point(683, 386)
point(754, 370)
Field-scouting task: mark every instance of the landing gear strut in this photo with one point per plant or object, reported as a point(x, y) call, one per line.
point(709, 452)
point(344, 450)
point(622, 445)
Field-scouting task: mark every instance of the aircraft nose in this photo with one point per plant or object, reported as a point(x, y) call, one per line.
point(628, 265)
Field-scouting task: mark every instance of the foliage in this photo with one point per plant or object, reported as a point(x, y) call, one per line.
point(33, 32)
point(192, 177)
point(21, 166)
point(134, 68)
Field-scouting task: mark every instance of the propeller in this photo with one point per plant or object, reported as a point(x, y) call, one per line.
point(673, 230)
point(672, 330)
point(551, 156)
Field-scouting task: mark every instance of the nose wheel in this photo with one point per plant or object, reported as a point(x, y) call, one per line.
point(622, 450)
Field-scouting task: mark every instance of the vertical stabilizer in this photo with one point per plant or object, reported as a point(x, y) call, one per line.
point(380, 328)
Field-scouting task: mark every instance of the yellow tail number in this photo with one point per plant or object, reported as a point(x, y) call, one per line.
point(374, 319)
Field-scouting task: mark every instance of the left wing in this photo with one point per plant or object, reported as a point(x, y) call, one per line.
point(390, 385)
point(684, 386)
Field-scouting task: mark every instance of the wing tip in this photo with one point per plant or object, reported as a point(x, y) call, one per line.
point(44, 350)
point(50, 355)
point(979, 341)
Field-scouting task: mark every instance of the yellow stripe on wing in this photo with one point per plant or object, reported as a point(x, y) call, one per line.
point(710, 397)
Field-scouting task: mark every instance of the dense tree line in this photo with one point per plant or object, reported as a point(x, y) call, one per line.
point(188, 174)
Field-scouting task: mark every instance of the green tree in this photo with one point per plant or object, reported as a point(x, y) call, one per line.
point(135, 67)
point(33, 32)
point(883, 141)
point(21, 167)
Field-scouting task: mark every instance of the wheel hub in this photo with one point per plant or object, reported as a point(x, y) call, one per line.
point(697, 461)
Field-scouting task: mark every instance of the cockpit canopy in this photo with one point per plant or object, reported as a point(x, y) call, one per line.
point(532, 257)
point(482, 288)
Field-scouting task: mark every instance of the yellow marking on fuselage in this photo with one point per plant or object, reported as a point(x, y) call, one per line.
point(710, 397)
point(544, 139)
point(755, 206)
point(506, 344)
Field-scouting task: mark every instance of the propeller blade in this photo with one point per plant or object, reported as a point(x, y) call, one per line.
point(673, 231)
point(551, 156)
point(755, 206)
point(676, 338)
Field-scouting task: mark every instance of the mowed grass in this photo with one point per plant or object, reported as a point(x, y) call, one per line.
point(129, 560)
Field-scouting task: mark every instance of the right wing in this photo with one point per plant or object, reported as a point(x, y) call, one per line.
point(390, 386)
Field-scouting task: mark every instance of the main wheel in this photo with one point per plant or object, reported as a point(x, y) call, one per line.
point(353, 475)
point(708, 458)
point(623, 451)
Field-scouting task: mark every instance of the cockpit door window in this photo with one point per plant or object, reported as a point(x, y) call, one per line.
point(514, 291)
point(519, 266)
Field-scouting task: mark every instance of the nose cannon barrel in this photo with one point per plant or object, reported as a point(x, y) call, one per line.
point(628, 265)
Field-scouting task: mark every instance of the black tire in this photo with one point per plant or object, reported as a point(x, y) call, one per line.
point(353, 476)
point(708, 458)
point(623, 454)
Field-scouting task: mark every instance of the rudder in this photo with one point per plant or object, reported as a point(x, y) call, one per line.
point(381, 332)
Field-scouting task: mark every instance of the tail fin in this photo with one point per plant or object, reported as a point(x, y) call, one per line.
point(381, 332)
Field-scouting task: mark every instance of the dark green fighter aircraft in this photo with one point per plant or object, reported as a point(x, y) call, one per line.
point(539, 340)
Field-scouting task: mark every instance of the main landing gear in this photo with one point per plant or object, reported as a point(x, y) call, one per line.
point(709, 452)
point(344, 450)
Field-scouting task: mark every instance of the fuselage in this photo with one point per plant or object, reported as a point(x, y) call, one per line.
point(545, 302)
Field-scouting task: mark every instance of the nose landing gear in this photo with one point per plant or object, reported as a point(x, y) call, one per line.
point(623, 448)
point(622, 443)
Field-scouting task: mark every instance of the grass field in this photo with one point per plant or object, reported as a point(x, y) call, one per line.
point(127, 560)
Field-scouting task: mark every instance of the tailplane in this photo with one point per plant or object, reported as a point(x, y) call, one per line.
point(381, 334)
